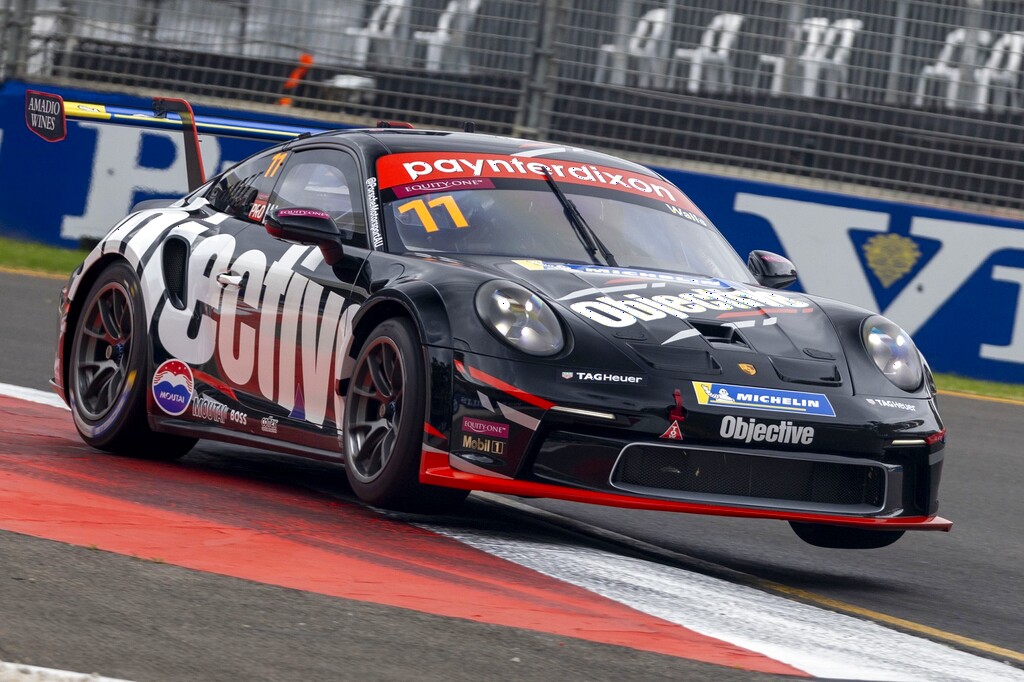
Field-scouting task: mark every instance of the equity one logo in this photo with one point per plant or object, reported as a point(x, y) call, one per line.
point(751, 430)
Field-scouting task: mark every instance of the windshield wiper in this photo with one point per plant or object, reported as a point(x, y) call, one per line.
point(591, 242)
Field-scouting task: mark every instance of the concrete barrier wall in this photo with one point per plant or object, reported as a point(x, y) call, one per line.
point(951, 279)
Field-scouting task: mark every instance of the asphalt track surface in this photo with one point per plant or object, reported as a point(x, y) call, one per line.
point(80, 609)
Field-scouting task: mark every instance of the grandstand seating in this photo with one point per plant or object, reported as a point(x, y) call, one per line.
point(999, 80)
point(645, 48)
point(711, 62)
point(385, 31)
point(446, 45)
point(951, 65)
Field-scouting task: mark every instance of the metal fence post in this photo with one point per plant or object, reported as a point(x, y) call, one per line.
point(15, 35)
point(539, 84)
point(899, 34)
point(795, 14)
point(969, 65)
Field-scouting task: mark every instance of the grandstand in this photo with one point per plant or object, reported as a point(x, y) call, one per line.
point(913, 97)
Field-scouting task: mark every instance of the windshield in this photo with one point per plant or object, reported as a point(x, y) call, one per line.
point(523, 218)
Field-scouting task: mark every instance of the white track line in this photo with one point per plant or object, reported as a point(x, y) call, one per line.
point(820, 642)
point(32, 395)
point(14, 672)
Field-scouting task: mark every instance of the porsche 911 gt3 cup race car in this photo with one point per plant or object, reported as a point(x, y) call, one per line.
point(445, 312)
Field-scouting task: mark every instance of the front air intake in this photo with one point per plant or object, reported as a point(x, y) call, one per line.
point(764, 478)
point(719, 334)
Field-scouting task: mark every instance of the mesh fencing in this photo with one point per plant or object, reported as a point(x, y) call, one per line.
point(909, 96)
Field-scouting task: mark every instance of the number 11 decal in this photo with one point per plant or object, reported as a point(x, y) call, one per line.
point(423, 212)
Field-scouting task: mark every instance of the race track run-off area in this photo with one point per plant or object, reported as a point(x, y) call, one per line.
point(52, 486)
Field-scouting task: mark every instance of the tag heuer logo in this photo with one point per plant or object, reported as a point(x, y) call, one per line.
point(603, 377)
point(748, 368)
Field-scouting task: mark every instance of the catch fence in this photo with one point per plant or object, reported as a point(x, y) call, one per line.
point(910, 96)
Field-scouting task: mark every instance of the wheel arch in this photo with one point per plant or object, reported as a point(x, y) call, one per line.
point(83, 284)
point(389, 305)
point(423, 307)
point(418, 301)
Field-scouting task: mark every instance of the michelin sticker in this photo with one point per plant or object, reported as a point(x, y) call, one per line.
point(772, 399)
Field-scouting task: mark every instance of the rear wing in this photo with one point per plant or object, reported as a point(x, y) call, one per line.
point(46, 115)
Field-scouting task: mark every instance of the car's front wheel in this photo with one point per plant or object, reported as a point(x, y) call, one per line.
point(844, 537)
point(383, 426)
point(107, 371)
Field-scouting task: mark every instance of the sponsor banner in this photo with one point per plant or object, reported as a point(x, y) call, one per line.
point(488, 446)
point(442, 186)
point(44, 115)
point(754, 431)
point(278, 337)
point(631, 308)
point(399, 170)
point(173, 387)
point(209, 409)
point(373, 214)
point(599, 377)
point(893, 404)
point(258, 210)
point(754, 398)
point(102, 170)
point(673, 432)
point(482, 427)
point(303, 213)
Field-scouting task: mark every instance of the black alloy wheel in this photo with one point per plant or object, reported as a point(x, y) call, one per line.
point(383, 423)
point(107, 376)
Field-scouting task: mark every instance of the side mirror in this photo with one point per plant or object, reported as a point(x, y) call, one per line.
point(771, 270)
point(307, 226)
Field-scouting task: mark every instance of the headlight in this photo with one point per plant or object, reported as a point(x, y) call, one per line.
point(893, 352)
point(520, 317)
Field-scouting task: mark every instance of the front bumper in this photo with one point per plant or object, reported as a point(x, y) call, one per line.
point(606, 445)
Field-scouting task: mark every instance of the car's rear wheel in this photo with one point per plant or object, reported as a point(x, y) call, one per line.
point(383, 425)
point(107, 371)
point(844, 537)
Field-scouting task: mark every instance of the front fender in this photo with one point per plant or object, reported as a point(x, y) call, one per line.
point(417, 299)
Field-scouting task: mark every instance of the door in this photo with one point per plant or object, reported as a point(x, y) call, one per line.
point(285, 314)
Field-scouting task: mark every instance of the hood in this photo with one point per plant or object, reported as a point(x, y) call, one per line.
point(676, 321)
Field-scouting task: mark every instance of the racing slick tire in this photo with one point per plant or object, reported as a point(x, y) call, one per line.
point(383, 424)
point(107, 371)
point(842, 537)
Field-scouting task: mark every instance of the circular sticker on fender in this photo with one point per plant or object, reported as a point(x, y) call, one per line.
point(172, 387)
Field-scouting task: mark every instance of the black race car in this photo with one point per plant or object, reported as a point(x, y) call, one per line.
point(445, 312)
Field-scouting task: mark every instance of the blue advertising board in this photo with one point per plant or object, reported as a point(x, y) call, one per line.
point(951, 279)
point(80, 187)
